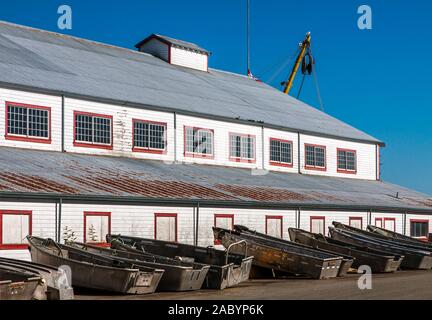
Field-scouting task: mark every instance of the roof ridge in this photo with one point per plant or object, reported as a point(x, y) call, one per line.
point(54, 33)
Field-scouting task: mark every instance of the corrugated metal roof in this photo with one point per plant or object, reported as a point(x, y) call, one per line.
point(59, 63)
point(41, 172)
point(174, 42)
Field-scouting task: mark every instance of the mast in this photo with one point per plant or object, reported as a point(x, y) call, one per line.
point(305, 45)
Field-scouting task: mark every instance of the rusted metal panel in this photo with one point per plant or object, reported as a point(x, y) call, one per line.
point(39, 172)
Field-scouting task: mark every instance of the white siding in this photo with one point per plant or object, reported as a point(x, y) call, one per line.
point(122, 128)
point(330, 216)
point(122, 136)
point(129, 220)
point(366, 160)
point(41, 100)
point(222, 131)
point(254, 219)
point(140, 220)
point(156, 48)
point(43, 224)
point(398, 219)
point(190, 59)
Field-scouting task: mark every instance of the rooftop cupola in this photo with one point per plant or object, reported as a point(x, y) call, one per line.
point(176, 52)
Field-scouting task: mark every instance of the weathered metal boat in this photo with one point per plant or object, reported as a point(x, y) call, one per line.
point(92, 272)
point(178, 276)
point(391, 235)
point(346, 263)
point(226, 268)
point(55, 284)
point(16, 284)
point(393, 241)
point(380, 262)
point(413, 259)
point(282, 256)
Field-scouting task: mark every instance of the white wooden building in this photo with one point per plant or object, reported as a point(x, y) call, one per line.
point(153, 143)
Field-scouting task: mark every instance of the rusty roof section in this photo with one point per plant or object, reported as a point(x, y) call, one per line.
point(53, 173)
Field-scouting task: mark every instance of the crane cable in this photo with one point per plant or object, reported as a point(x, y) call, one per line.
point(307, 69)
point(301, 86)
point(281, 65)
point(317, 88)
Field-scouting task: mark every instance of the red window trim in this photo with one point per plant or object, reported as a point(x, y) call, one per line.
point(345, 171)
point(279, 163)
point(356, 218)
point(166, 215)
point(318, 218)
point(96, 214)
point(9, 136)
point(196, 154)
point(394, 225)
point(239, 159)
point(267, 217)
point(420, 220)
point(92, 144)
point(149, 150)
point(221, 215)
point(379, 219)
point(20, 213)
point(308, 167)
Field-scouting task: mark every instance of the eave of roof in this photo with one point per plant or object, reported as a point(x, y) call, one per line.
point(31, 174)
point(67, 94)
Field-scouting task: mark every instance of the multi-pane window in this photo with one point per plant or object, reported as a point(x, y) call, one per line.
point(15, 227)
point(419, 228)
point(28, 122)
point(315, 156)
point(149, 135)
point(347, 160)
point(198, 142)
point(242, 147)
point(280, 152)
point(93, 129)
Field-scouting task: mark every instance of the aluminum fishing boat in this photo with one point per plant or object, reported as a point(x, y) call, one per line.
point(226, 268)
point(90, 271)
point(380, 262)
point(413, 259)
point(284, 257)
point(178, 275)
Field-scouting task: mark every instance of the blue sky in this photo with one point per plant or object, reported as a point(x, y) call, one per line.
point(376, 80)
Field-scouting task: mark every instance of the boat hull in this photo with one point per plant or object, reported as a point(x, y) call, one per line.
point(380, 262)
point(382, 238)
point(223, 272)
point(394, 236)
point(178, 275)
point(97, 277)
point(280, 258)
point(411, 260)
point(15, 285)
point(346, 263)
point(54, 287)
